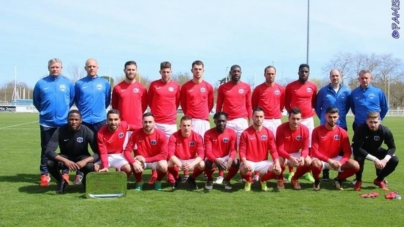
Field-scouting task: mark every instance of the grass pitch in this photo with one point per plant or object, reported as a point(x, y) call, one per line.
point(24, 203)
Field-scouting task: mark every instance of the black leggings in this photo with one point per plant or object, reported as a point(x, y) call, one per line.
point(381, 174)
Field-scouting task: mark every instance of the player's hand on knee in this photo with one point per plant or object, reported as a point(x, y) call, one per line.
point(81, 164)
point(103, 170)
point(71, 165)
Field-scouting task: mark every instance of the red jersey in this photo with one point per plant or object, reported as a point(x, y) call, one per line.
point(164, 99)
point(111, 142)
point(288, 141)
point(302, 96)
point(235, 100)
point(131, 101)
point(197, 99)
point(153, 147)
point(185, 148)
point(218, 145)
point(270, 98)
point(328, 143)
point(254, 145)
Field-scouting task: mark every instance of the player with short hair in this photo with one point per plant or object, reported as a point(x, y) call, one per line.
point(255, 144)
point(328, 141)
point(367, 142)
point(220, 151)
point(197, 99)
point(185, 152)
point(72, 139)
point(53, 96)
point(110, 143)
point(151, 152)
point(292, 141)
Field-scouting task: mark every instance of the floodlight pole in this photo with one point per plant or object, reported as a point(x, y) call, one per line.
point(308, 31)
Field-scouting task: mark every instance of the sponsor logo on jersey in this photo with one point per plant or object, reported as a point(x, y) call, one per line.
point(79, 139)
point(264, 137)
point(299, 137)
point(170, 89)
point(336, 137)
point(192, 143)
point(277, 92)
point(309, 89)
point(241, 91)
point(225, 140)
point(371, 95)
point(202, 89)
point(120, 135)
point(153, 142)
point(62, 87)
point(99, 86)
point(136, 90)
point(376, 138)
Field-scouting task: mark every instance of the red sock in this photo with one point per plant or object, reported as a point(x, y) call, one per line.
point(138, 177)
point(247, 176)
point(290, 169)
point(268, 176)
point(174, 171)
point(160, 174)
point(209, 173)
point(300, 171)
point(347, 173)
point(196, 172)
point(154, 174)
point(221, 173)
point(316, 172)
point(186, 172)
point(128, 174)
point(231, 173)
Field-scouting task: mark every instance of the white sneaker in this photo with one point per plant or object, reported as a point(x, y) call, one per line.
point(219, 180)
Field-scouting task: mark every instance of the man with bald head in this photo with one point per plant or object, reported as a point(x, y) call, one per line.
point(333, 94)
point(93, 95)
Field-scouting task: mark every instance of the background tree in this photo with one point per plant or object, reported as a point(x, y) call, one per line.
point(7, 90)
point(75, 72)
point(181, 77)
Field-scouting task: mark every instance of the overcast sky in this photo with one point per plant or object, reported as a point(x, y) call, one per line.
point(221, 33)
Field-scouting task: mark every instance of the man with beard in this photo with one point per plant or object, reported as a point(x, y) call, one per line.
point(220, 151)
point(256, 142)
point(110, 143)
point(367, 142)
point(163, 100)
point(72, 139)
point(185, 152)
point(234, 98)
point(328, 141)
point(129, 97)
point(302, 94)
point(334, 94)
point(151, 152)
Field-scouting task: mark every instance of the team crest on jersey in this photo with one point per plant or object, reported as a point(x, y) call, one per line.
point(136, 90)
point(264, 137)
point(153, 142)
point(192, 143)
point(343, 96)
point(99, 86)
point(309, 89)
point(62, 87)
point(336, 137)
point(225, 140)
point(376, 138)
point(170, 89)
point(241, 91)
point(120, 135)
point(202, 89)
point(277, 92)
point(299, 138)
point(371, 95)
point(79, 139)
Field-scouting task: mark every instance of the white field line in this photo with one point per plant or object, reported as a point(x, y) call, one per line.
point(26, 123)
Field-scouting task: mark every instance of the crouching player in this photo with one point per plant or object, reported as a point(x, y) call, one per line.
point(110, 143)
point(220, 150)
point(151, 152)
point(255, 142)
point(73, 139)
point(328, 141)
point(367, 142)
point(292, 141)
point(185, 152)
